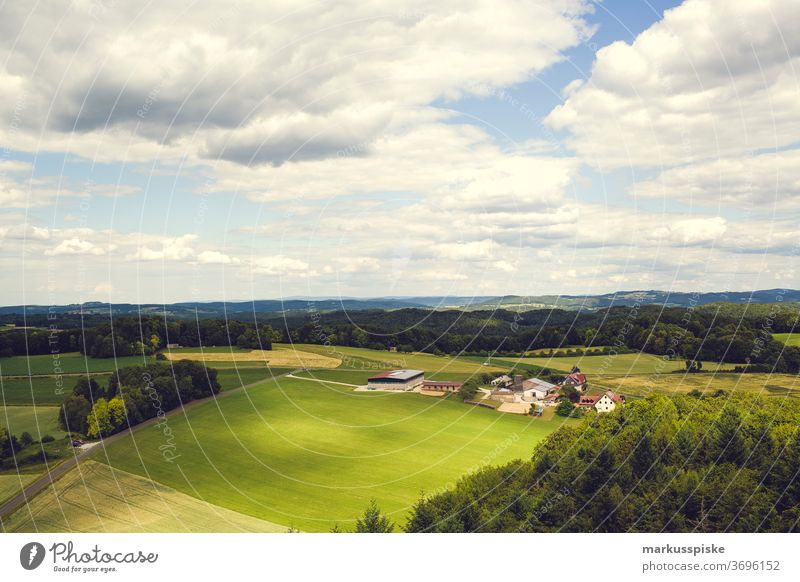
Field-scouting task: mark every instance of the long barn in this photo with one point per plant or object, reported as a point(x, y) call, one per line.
point(396, 380)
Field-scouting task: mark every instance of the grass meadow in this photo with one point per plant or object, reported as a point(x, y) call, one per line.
point(640, 386)
point(309, 455)
point(375, 361)
point(69, 363)
point(638, 363)
point(37, 420)
point(790, 339)
point(96, 498)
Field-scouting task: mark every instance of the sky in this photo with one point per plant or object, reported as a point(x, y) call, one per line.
point(186, 151)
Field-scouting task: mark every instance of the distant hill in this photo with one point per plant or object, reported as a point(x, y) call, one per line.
point(218, 309)
point(297, 305)
point(628, 298)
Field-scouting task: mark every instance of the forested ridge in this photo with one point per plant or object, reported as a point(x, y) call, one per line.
point(679, 464)
point(724, 332)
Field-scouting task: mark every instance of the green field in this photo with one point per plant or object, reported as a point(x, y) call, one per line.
point(307, 454)
point(376, 361)
point(230, 379)
point(69, 363)
point(11, 484)
point(360, 377)
point(790, 339)
point(639, 386)
point(96, 498)
point(19, 419)
point(639, 363)
point(40, 389)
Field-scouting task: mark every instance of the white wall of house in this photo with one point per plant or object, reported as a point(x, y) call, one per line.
point(605, 404)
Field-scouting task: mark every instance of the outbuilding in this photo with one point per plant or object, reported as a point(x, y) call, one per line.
point(396, 380)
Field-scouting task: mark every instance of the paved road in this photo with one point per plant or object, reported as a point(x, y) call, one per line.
point(21, 498)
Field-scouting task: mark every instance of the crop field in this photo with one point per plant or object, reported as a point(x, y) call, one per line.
point(639, 363)
point(19, 419)
point(11, 484)
point(279, 357)
point(70, 363)
point(766, 384)
point(790, 339)
point(376, 361)
point(96, 498)
point(309, 455)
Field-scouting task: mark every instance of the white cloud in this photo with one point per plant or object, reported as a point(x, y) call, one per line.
point(279, 265)
point(713, 78)
point(75, 246)
point(759, 182)
point(216, 258)
point(692, 230)
point(261, 81)
point(171, 249)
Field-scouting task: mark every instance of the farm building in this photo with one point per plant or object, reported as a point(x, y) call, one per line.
point(441, 386)
point(551, 399)
point(536, 389)
point(603, 402)
point(524, 390)
point(576, 380)
point(396, 380)
point(502, 381)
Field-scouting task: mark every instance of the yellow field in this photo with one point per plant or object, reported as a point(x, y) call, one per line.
point(641, 385)
point(275, 358)
point(96, 498)
point(11, 484)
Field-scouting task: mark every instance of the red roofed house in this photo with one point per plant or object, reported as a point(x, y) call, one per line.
point(441, 386)
point(575, 379)
point(603, 402)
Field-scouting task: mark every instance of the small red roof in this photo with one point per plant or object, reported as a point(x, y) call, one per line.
point(440, 383)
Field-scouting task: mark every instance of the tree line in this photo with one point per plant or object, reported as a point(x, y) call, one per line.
point(725, 333)
point(724, 463)
point(134, 394)
point(129, 336)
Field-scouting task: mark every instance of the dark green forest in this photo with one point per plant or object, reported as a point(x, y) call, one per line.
point(134, 394)
point(726, 463)
point(723, 332)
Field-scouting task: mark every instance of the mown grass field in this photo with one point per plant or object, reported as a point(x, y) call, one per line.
point(281, 357)
point(70, 363)
point(37, 420)
point(40, 390)
point(96, 498)
point(375, 361)
point(232, 378)
point(790, 339)
point(639, 363)
point(360, 377)
point(307, 454)
point(639, 386)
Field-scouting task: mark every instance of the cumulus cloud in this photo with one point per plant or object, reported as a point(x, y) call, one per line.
point(692, 230)
point(170, 249)
point(279, 265)
point(263, 82)
point(216, 258)
point(75, 246)
point(758, 182)
point(713, 78)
